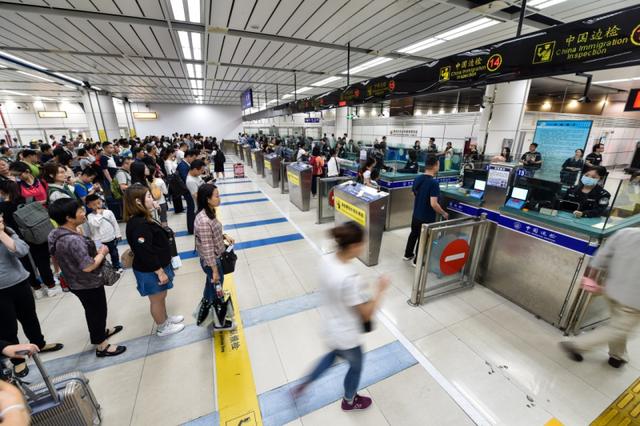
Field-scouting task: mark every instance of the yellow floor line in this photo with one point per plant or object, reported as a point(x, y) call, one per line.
point(625, 410)
point(553, 422)
point(237, 399)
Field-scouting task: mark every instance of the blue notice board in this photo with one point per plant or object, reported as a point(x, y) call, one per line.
point(558, 140)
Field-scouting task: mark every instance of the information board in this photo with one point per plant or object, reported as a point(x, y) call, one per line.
point(558, 140)
point(246, 99)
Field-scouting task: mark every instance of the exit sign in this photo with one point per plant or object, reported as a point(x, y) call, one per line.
point(633, 102)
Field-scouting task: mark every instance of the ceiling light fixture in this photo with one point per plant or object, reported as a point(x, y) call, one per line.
point(542, 4)
point(69, 78)
point(326, 81)
point(287, 96)
point(367, 65)
point(178, 10)
point(190, 71)
point(196, 43)
point(194, 10)
point(198, 68)
point(96, 88)
point(184, 43)
point(302, 90)
point(471, 27)
point(2, 66)
point(38, 104)
point(22, 61)
point(35, 76)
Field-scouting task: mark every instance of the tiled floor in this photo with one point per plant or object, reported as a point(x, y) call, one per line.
point(502, 360)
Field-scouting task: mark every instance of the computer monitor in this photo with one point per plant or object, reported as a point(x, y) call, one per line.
point(543, 193)
point(471, 175)
point(519, 193)
point(480, 185)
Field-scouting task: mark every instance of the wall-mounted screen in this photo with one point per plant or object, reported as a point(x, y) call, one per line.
point(246, 99)
point(558, 140)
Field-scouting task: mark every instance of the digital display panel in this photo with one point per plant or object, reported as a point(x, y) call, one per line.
point(247, 99)
point(558, 140)
point(480, 185)
point(519, 193)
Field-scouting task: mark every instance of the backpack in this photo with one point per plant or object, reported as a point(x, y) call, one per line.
point(33, 222)
point(177, 185)
point(52, 189)
point(116, 191)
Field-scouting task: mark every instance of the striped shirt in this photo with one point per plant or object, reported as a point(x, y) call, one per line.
point(209, 238)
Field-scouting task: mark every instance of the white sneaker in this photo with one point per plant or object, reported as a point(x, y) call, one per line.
point(175, 319)
point(168, 329)
point(39, 293)
point(54, 291)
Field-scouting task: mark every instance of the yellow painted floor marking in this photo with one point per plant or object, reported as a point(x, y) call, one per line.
point(624, 410)
point(237, 399)
point(554, 422)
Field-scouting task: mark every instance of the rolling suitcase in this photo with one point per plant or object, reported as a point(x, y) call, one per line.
point(65, 400)
point(238, 170)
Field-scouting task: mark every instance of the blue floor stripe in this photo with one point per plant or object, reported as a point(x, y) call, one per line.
point(212, 419)
point(230, 194)
point(281, 309)
point(231, 182)
point(231, 227)
point(255, 200)
point(243, 245)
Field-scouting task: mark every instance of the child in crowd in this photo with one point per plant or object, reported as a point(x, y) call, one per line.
point(103, 228)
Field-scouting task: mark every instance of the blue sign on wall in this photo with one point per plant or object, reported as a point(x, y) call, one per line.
point(311, 119)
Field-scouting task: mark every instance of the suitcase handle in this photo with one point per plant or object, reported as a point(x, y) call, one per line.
point(43, 373)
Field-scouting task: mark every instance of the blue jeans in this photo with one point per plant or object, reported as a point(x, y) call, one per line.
point(354, 357)
point(191, 213)
point(113, 253)
point(209, 292)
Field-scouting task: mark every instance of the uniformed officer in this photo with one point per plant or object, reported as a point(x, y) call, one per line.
point(595, 158)
point(592, 198)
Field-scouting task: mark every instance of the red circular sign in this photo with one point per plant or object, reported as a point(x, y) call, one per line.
point(454, 256)
point(332, 200)
point(392, 85)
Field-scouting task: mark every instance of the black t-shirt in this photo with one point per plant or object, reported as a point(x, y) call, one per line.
point(594, 158)
point(530, 157)
point(425, 187)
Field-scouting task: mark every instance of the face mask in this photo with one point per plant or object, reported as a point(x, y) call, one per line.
point(589, 181)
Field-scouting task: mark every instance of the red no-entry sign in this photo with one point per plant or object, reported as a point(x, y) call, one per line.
point(454, 256)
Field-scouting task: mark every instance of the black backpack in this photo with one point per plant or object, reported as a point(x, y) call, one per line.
point(177, 185)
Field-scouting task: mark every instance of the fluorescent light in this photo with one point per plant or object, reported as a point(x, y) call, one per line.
point(69, 78)
point(422, 45)
point(326, 81)
point(196, 39)
point(471, 27)
point(97, 88)
point(184, 43)
point(23, 61)
point(287, 96)
point(35, 76)
point(542, 4)
point(190, 71)
point(11, 92)
point(46, 99)
point(178, 10)
point(2, 66)
point(194, 10)
point(619, 80)
point(367, 65)
point(198, 68)
point(145, 115)
point(38, 104)
point(196, 84)
point(272, 101)
point(52, 114)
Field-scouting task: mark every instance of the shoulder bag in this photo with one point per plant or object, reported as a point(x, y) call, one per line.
point(228, 260)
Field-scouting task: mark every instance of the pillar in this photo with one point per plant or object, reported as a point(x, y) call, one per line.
point(501, 118)
point(344, 124)
point(101, 116)
point(129, 113)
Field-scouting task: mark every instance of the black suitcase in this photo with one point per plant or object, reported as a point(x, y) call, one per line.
point(65, 400)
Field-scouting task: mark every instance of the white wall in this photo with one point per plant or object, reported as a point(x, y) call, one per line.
point(209, 120)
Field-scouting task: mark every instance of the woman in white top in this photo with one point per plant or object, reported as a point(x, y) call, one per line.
point(346, 313)
point(159, 189)
point(333, 165)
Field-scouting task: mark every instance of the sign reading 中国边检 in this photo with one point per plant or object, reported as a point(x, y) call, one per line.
point(354, 213)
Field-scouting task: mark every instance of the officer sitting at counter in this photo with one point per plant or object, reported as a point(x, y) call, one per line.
point(591, 199)
point(411, 166)
point(532, 159)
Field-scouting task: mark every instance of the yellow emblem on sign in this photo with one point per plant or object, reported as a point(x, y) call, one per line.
point(445, 73)
point(352, 212)
point(544, 52)
point(267, 164)
point(293, 179)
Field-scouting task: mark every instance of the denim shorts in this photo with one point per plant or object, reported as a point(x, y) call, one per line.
point(148, 283)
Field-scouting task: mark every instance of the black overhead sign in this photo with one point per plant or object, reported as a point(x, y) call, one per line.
point(606, 41)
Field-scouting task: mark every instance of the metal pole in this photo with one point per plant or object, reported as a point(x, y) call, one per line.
point(523, 10)
point(6, 128)
point(348, 61)
point(295, 87)
point(277, 95)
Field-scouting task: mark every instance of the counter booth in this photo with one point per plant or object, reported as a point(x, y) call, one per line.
point(537, 247)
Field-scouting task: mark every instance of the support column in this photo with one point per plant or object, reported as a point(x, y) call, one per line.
point(501, 118)
point(129, 113)
point(101, 116)
point(93, 118)
point(344, 125)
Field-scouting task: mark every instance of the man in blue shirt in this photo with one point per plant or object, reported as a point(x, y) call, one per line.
point(183, 171)
point(426, 189)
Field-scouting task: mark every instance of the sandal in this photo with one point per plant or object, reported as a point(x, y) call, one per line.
point(51, 347)
point(117, 329)
point(21, 370)
point(105, 352)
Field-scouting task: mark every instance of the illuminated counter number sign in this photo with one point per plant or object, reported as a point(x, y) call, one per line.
point(495, 62)
point(293, 179)
point(635, 36)
point(352, 212)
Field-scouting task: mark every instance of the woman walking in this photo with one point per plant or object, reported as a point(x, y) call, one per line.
point(81, 265)
point(16, 300)
point(149, 242)
point(210, 244)
point(218, 161)
point(317, 168)
point(346, 313)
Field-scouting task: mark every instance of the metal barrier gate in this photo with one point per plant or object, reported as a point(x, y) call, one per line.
point(325, 197)
point(284, 180)
point(447, 258)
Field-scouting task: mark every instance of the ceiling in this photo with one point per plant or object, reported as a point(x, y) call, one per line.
point(133, 48)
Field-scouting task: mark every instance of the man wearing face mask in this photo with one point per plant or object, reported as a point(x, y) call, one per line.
point(593, 199)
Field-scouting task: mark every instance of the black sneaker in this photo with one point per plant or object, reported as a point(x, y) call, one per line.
point(616, 363)
point(571, 351)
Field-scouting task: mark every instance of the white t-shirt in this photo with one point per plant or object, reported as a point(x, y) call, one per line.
point(301, 152)
point(333, 165)
point(179, 156)
point(366, 175)
point(159, 182)
point(341, 289)
point(193, 183)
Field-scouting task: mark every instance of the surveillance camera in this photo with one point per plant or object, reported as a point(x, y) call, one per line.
point(584, 100)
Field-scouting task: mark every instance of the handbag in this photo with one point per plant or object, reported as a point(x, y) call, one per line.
point(126, 259)
point(108, 274)
point(228, 260)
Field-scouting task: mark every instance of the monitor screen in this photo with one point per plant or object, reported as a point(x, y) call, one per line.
point(480, 185)
point(247, 99)
point(519, 193)
point(472, 175)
